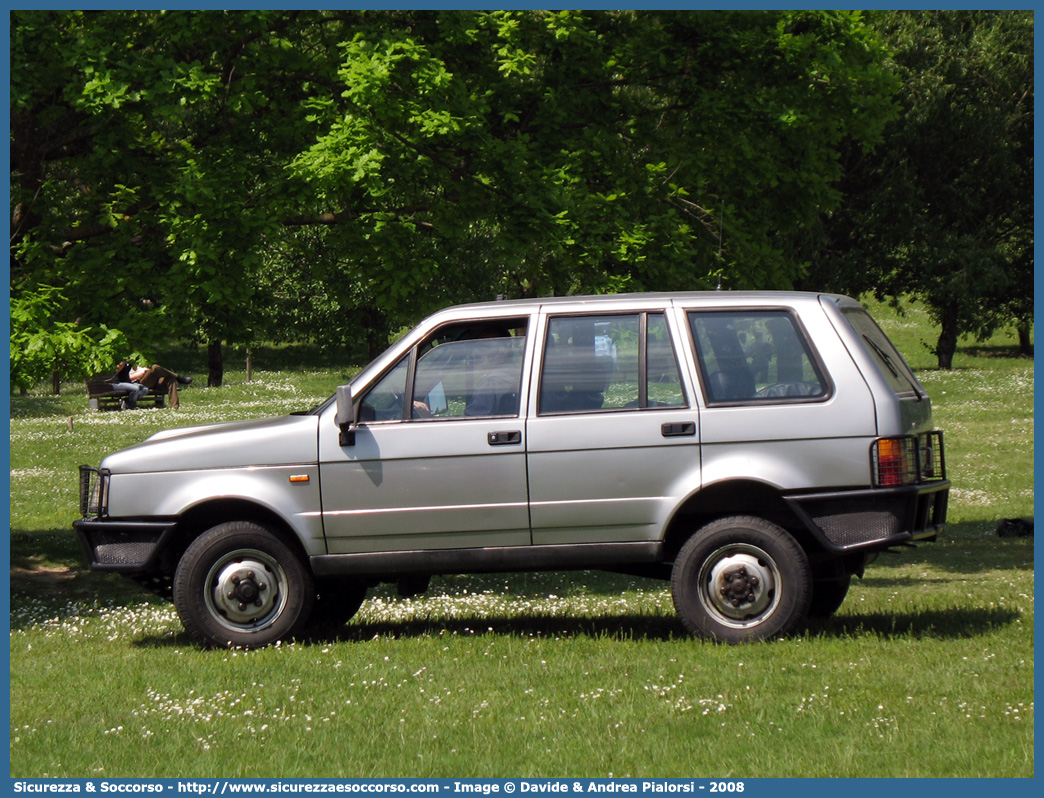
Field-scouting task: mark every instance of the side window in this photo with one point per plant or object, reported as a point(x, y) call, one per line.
point(461, 370)
point(384, 401)
point(752, 356)
point(469, 378)
point(889, 362)
point(664, 379)
point(617, 362)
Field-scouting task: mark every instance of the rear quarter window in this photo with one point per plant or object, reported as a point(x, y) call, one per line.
point(882, 352)
point(756, 356)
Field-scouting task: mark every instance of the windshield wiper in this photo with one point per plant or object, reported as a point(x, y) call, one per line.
point(887, 360)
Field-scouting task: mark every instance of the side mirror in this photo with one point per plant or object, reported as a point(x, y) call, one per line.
point(347, 416)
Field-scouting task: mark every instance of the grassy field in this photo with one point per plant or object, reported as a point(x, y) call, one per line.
point(926, 671)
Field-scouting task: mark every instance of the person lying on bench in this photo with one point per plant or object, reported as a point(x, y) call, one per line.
point(139, 381)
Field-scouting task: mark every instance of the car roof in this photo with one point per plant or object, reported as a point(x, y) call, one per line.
point(506, 306)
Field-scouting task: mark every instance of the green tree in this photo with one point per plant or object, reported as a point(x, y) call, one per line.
point(944, 210)
point(171, 170)
point(147, 164)
point(588, 151)
point(43, 346)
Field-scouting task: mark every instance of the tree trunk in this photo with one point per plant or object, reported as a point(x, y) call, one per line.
point(250, 367)
point(56, 382)
point(947, 345)
point(376, 332)
point(1025, 344)
point(215, 365)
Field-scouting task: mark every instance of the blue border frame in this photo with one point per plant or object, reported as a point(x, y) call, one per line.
point(855, 788)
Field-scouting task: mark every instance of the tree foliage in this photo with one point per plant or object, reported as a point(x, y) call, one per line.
point(943, 211)
point(229, 175)
point(42, 345)
point(138, 176)
point(571, 152)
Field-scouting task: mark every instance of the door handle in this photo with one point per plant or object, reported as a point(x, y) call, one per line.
point(504, 438)
point(680, 429)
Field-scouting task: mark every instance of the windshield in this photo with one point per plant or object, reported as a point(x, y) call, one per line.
point(889, 362)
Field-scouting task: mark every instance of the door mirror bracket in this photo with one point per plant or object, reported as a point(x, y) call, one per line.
point(347, 436)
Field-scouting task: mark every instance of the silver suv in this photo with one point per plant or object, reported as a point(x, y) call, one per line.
point(755, 449)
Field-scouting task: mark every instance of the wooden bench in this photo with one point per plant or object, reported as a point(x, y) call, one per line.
point(101, 396)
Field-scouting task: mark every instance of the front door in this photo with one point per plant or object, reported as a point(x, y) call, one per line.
point(438, 460)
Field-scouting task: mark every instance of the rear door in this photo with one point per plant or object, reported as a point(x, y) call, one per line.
point(613, 433)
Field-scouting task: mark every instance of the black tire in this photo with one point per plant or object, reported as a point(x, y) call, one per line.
point(336, 602)
point(827, 596)
point(741, 579)
point(239, 585)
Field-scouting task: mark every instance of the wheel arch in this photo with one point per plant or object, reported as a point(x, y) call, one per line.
point(748, 497)
point(206, 515)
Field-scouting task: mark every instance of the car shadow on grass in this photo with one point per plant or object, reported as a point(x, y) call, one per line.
point(943, 624)
point(617, 627)
point(947, 623)
point(966, 548)
point(952, 623)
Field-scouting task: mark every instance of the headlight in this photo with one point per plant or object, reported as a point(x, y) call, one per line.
point(94, 491)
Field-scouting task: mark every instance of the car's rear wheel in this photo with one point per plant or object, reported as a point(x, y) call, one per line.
point(741, 579)
point(239, 585)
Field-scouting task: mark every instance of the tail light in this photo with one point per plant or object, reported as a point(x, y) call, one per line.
point(892, 459)
point(908, 460)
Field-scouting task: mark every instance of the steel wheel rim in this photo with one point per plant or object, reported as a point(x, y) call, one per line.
point(737, 585)
point(245, 590)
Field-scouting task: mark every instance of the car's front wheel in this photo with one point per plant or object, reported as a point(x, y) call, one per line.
point(239, 585)
point(741, 579)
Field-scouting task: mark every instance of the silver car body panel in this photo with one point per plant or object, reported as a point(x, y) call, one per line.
point(233, 444)
point(252, 461)
point(610, 476)
point(585, 487)
point(423, 485)
point(289, 492)
point(615, 476)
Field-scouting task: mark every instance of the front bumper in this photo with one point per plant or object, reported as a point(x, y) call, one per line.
point(874, 519)
point(126, 545)
point(123, 545)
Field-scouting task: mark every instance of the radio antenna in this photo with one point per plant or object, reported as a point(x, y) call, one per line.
point(720, 221)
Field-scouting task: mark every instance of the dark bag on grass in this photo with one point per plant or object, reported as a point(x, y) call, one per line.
point(1015, 528)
